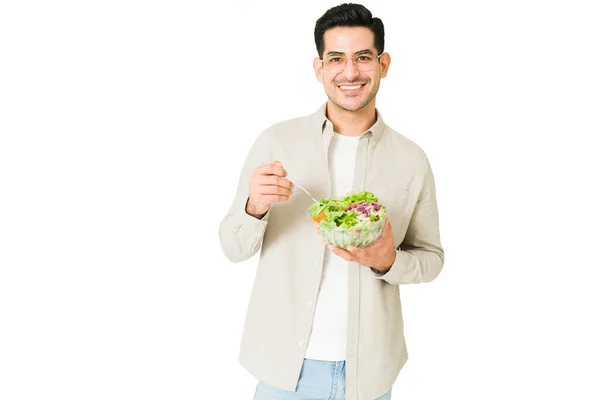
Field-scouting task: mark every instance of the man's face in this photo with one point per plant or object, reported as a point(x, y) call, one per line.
point(353, 85)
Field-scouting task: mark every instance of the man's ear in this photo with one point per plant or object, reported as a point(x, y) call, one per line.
point(384, 64)
point(318, 67)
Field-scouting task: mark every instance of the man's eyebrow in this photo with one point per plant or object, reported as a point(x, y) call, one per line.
point(339, 53)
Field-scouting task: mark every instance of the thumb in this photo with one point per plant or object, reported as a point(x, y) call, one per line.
point(280, 165)
point(387, 227)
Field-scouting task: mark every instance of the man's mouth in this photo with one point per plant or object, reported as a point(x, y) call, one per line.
point(351, 89)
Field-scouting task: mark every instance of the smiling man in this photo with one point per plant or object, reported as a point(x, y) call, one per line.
point(351, 89)
point(325, 322)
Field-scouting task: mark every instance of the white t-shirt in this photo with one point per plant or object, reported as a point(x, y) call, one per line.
point(329, 331)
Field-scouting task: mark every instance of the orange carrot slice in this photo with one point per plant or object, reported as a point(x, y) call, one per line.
point(320, 217)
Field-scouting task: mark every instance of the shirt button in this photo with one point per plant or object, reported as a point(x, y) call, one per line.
point(309, 303)
point(301, 343)
point(318, 263)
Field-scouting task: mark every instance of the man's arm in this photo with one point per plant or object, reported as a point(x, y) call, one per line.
point(420, 257)
point(240, 233)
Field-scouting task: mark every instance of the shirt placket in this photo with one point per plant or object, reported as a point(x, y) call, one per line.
point(354, 273)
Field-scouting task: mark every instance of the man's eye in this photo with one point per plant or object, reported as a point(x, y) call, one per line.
point(363, 58)
point(335, 60)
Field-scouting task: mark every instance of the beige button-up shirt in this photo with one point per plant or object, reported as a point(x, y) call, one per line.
point(282, 303)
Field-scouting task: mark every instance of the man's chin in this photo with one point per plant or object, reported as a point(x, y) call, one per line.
point(350, 105)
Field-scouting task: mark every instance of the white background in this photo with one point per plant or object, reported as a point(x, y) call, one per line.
point(124, 125)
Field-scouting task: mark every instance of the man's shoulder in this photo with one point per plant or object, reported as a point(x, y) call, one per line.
point(288, 130)
point(406, 148)
point(402, 141)
point(293, 124)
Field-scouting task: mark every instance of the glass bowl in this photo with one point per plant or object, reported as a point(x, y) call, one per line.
point(358, 237)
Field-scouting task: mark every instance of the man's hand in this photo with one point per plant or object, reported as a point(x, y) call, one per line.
point(379, 255)
point(267, 186)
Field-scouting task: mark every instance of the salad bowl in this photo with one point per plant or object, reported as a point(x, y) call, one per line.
point(356, 219)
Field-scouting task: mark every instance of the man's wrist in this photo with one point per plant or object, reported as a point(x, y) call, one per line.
point(385, 270)
point(253, 211)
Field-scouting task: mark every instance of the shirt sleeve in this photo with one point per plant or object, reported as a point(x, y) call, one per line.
point(420, 257)
point(241, 234)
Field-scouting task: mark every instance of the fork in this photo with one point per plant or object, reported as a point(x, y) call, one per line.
point(311, 196)
point(306, 191)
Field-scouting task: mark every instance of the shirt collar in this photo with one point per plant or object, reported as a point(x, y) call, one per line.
point(325, 126)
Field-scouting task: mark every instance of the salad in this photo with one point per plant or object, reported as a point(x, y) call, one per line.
point(356, 219)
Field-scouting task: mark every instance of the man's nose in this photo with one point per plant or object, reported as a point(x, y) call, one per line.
point(350, 71)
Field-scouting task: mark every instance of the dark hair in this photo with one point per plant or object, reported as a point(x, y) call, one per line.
point(348, 14)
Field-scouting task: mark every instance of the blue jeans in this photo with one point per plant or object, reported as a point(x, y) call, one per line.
point(319, 380)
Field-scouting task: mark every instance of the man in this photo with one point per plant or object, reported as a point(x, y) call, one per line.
point(324, 322)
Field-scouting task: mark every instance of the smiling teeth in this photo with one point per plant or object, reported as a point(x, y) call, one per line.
point(350, 87)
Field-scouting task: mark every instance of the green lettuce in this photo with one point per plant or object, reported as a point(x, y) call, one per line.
point(338, 214)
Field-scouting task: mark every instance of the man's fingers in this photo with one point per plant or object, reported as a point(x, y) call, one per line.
point(273, 198)
point(275, 168)
point(271, 189)
point(273, 180)
point(357, 251)
point(341, 253)
point(268, 186)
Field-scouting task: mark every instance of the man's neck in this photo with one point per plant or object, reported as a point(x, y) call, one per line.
point(351, 123)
